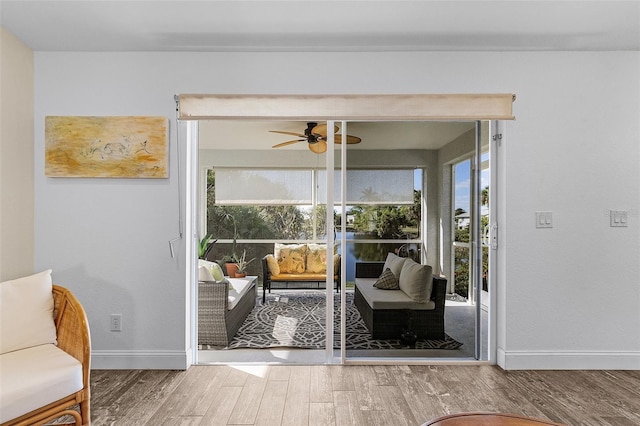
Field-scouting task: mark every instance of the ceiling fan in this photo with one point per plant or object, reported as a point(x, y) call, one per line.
point(316, 136)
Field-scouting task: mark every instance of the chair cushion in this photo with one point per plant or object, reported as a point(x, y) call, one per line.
point(26, 314)
point(34, 377)
point(300, 277)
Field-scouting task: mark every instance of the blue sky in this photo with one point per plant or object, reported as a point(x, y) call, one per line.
point(463, 183)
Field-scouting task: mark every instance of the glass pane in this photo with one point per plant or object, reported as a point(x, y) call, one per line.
point(485, 177)
point(278, 222)
point(461, 271)
point(462, 201)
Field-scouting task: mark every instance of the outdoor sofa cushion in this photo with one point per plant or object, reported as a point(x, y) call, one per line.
point(315, 266)
point(389, 299)
point(238, 287)
point(416, 280)
point(394, 263)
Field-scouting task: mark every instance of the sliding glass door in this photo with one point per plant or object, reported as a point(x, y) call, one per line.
point(378, 188)
point(471, 236)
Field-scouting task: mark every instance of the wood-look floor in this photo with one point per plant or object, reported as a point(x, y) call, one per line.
point(358, 395)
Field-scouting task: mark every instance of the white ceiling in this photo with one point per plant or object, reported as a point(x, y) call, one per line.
point(305, 25)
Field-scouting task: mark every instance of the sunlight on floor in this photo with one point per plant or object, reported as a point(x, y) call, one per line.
point(254, 370)
point(284, 329)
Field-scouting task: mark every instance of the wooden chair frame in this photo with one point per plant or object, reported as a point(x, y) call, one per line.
point(72, 330)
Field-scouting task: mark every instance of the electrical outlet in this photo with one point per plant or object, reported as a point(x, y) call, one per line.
point(116, 322)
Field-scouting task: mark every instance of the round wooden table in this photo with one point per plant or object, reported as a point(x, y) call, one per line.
point(487, 419)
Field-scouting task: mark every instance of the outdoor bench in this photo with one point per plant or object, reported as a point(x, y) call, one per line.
point(298, 266)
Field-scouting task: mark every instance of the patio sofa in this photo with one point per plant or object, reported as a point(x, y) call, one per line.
point(223, 306)
point(417, 302)
point(298, 266)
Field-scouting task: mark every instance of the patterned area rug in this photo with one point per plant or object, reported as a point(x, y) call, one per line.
point(297, 320)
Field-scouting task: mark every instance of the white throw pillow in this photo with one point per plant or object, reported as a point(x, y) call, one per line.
point(204, 274)
point(394, 263)
point(26, 312)
point(416, 280)
point(215, 270)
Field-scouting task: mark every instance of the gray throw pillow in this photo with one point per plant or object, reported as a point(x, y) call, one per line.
point(416, 280)
point(387, 281)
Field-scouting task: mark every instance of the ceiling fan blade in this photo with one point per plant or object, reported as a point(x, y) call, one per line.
point(288, 143)
point(318, 147)
point(321, 129)
point(288, 133)
point(350, 139)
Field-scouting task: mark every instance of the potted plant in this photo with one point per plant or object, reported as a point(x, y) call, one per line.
point(241, 264)
point(204, 248)
point(205, 245)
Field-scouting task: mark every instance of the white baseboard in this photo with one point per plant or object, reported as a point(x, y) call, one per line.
point(568, 360)
point(140, 360)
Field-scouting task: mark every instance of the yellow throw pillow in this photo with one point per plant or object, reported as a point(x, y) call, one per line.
point(272, 264)
point(316, 258)
point(291, 258)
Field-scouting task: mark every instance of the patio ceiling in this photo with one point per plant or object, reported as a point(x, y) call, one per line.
point(255, 135)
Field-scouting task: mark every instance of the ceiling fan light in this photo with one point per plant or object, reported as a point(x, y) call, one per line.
point(318, 147)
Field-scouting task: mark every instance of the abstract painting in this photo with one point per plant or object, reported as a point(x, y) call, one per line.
point(106, 147)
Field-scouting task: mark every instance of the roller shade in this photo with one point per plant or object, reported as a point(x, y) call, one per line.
point(378, 186)
point(263, 187)
point(295, 187)
point(464, 107)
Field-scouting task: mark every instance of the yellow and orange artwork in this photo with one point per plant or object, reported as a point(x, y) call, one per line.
point(106, 147)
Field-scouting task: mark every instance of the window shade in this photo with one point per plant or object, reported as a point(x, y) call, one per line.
point(263, 187)
point(463, 107)
point(371, 187)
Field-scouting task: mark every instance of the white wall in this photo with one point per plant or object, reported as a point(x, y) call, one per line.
point(16, 157)
point(569, 296)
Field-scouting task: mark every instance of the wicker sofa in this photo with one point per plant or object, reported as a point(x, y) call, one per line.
point(46, 353)
point(386, 313)
point(222, 308)
point(298, 266)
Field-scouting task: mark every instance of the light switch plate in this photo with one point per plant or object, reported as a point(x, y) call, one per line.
point(618, 218)
point(544, 220)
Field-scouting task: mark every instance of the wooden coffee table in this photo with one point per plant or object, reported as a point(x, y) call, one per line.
point(487, 419)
